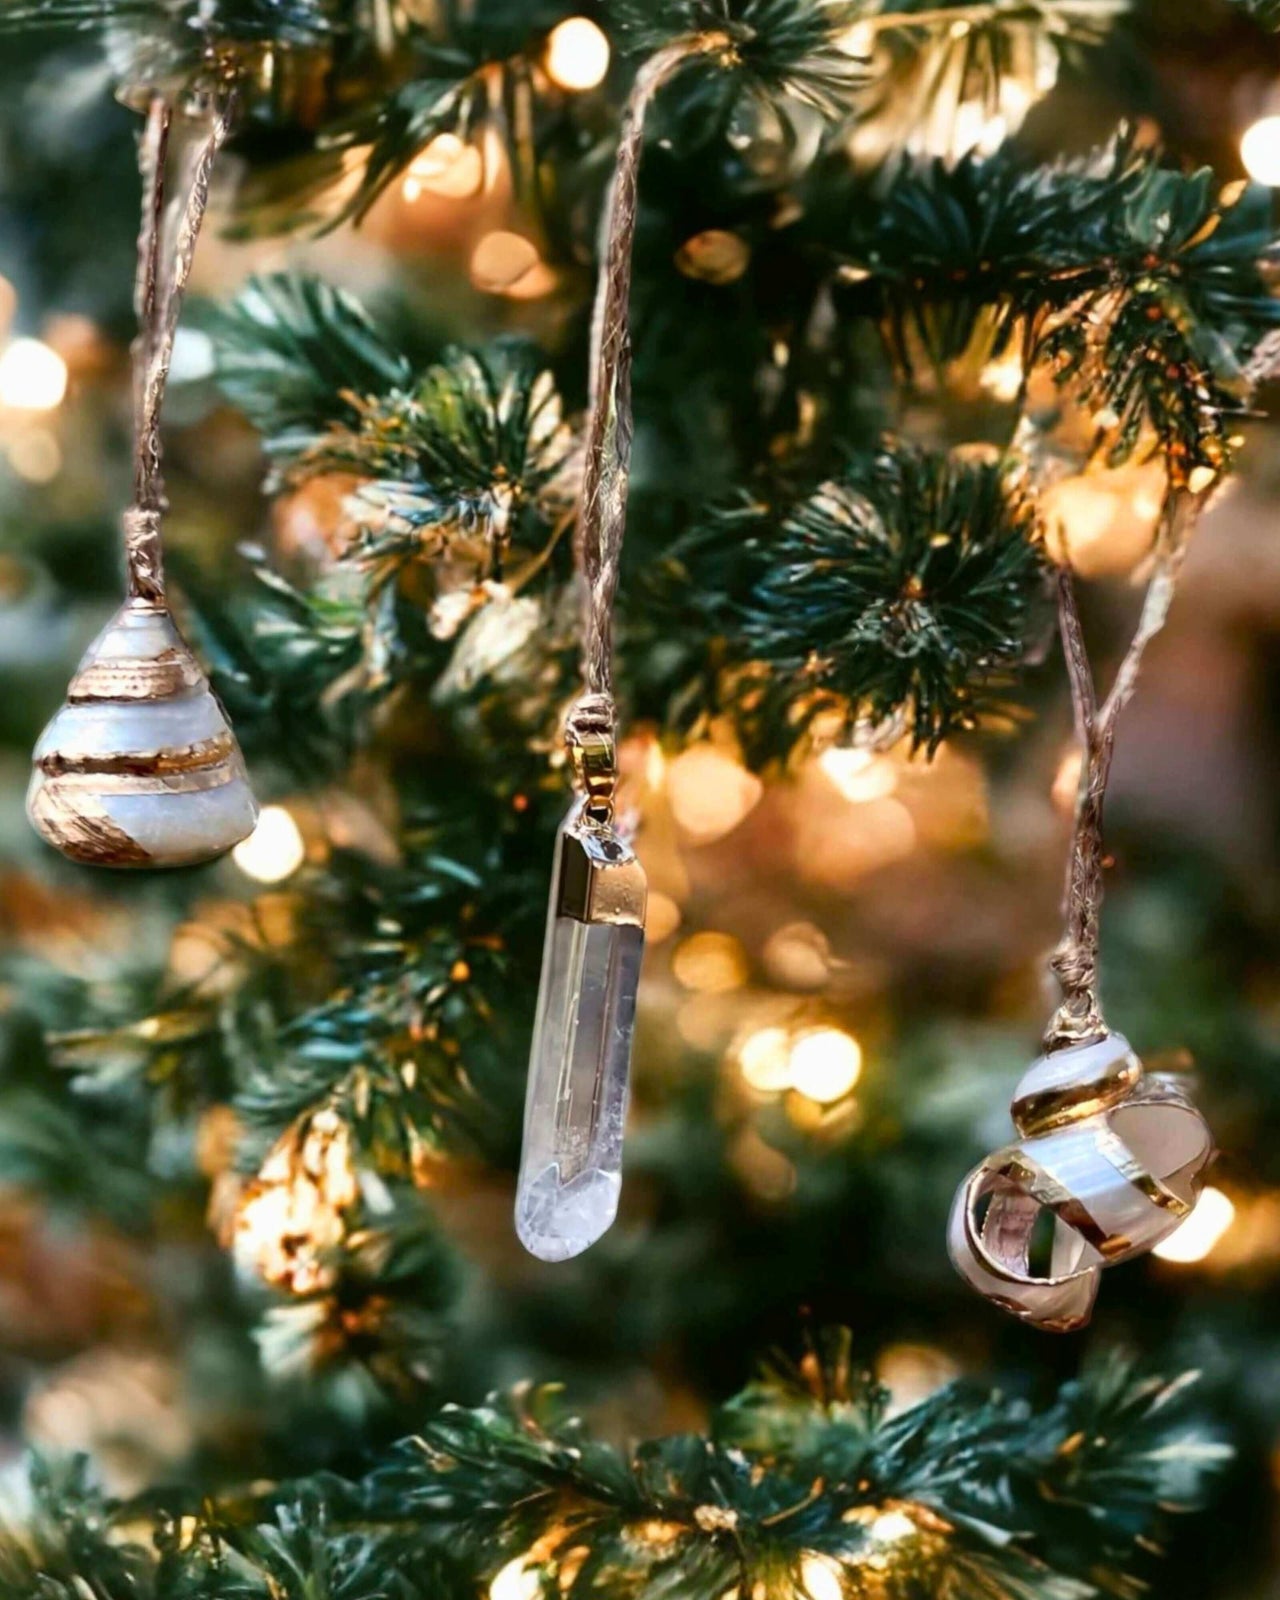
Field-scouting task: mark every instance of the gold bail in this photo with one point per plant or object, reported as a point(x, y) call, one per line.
point(593, 754)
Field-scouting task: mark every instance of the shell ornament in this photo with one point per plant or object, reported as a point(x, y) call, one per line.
point(139, 768)
point(1115, 1157)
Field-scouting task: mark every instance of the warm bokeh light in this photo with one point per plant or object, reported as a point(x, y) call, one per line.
point(820, 1577)
point(577, 55)
point(1260, 150)
point(891, 1526)
point(798, 956)
point(764, 1059)
point(32, 377)
point(860, 775)
point(508, 263)
point(764, 1170)
point(714, 256)
point(825, 1063)
point(35, 455)
point(294, 1214)
point(1213, 1215)
point(1066, 781)
point(661, 917)
point(710, 963)
point(446, 167)
point(912, 1372)
point(709, 792)
point(274, 850)
point(1002, 377)
point(518, 1580)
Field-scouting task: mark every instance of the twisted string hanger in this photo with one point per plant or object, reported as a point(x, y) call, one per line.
point(1078, 1018)
point(159, 286)
point(590, 727)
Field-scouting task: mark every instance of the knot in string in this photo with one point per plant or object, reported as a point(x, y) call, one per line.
point(144, 559)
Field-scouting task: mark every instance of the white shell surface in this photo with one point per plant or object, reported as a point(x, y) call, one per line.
point(140, 768)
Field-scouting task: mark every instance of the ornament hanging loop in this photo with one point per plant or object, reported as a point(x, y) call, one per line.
point(593, 755)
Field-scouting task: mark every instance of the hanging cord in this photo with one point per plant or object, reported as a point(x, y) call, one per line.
point(158, 304)
point(591, 723)
point(1075, 961)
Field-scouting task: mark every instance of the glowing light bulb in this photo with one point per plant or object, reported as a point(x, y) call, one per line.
point(1260, 150)
point(577, 54)
point(518, 1580)
point(35, 455)
point(764, 1059)
point(446, 167)
point(274, 850)
point(508, 263)
point(710, 963)
point(710, 793)
point(32, 376)
point(825, 1064)
point(1066, 782)
point(892, 1525)
point(1213, 1215)
point(820, 1577)
point(860, 775)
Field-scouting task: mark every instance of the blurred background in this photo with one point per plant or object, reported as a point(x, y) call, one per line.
point(844, 974)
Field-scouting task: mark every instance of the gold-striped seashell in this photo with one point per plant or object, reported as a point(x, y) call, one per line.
point(1112, 1159)
point(140, 767)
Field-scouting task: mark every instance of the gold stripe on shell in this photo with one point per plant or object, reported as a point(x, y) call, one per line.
point(132, 679)
point(1093, 1131)
point(140, 767)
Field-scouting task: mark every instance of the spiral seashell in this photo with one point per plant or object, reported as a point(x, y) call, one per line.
point(1114, 1157)
point(140, 768)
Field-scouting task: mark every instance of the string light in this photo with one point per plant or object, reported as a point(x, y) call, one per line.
point(890, 1526)
point(764, 1059)
point(798, 956)
point(1260, 150)
point(577, 55)
point(1002, 377)
point(820, 1577)
point(1213, 1215)
point(274, 850)
point(711, 963)
point(518, 1580)
point(710, 793)
point(446, 167)
point(1066, 781)
point(508, 263)
point(661, 918)
point(34, 454)
point(714, 256)
point(32, 376)
point(860, 775)
point(825, 1064)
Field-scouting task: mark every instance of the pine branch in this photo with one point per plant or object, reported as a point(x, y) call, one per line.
point(363, 1280)
point(804, 1478)
point(901, 593)
point(775, 50)
point(296, 356)
point(1141, 287)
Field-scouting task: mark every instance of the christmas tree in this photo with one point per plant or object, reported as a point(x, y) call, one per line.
point(921, 353)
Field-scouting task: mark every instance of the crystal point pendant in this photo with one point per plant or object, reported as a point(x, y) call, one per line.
point(139, 768)
point(580, 1063)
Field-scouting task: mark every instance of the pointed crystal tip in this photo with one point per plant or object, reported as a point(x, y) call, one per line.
point(556, 1221)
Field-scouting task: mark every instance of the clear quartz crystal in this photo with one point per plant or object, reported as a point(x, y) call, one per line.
point(580, 1064)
